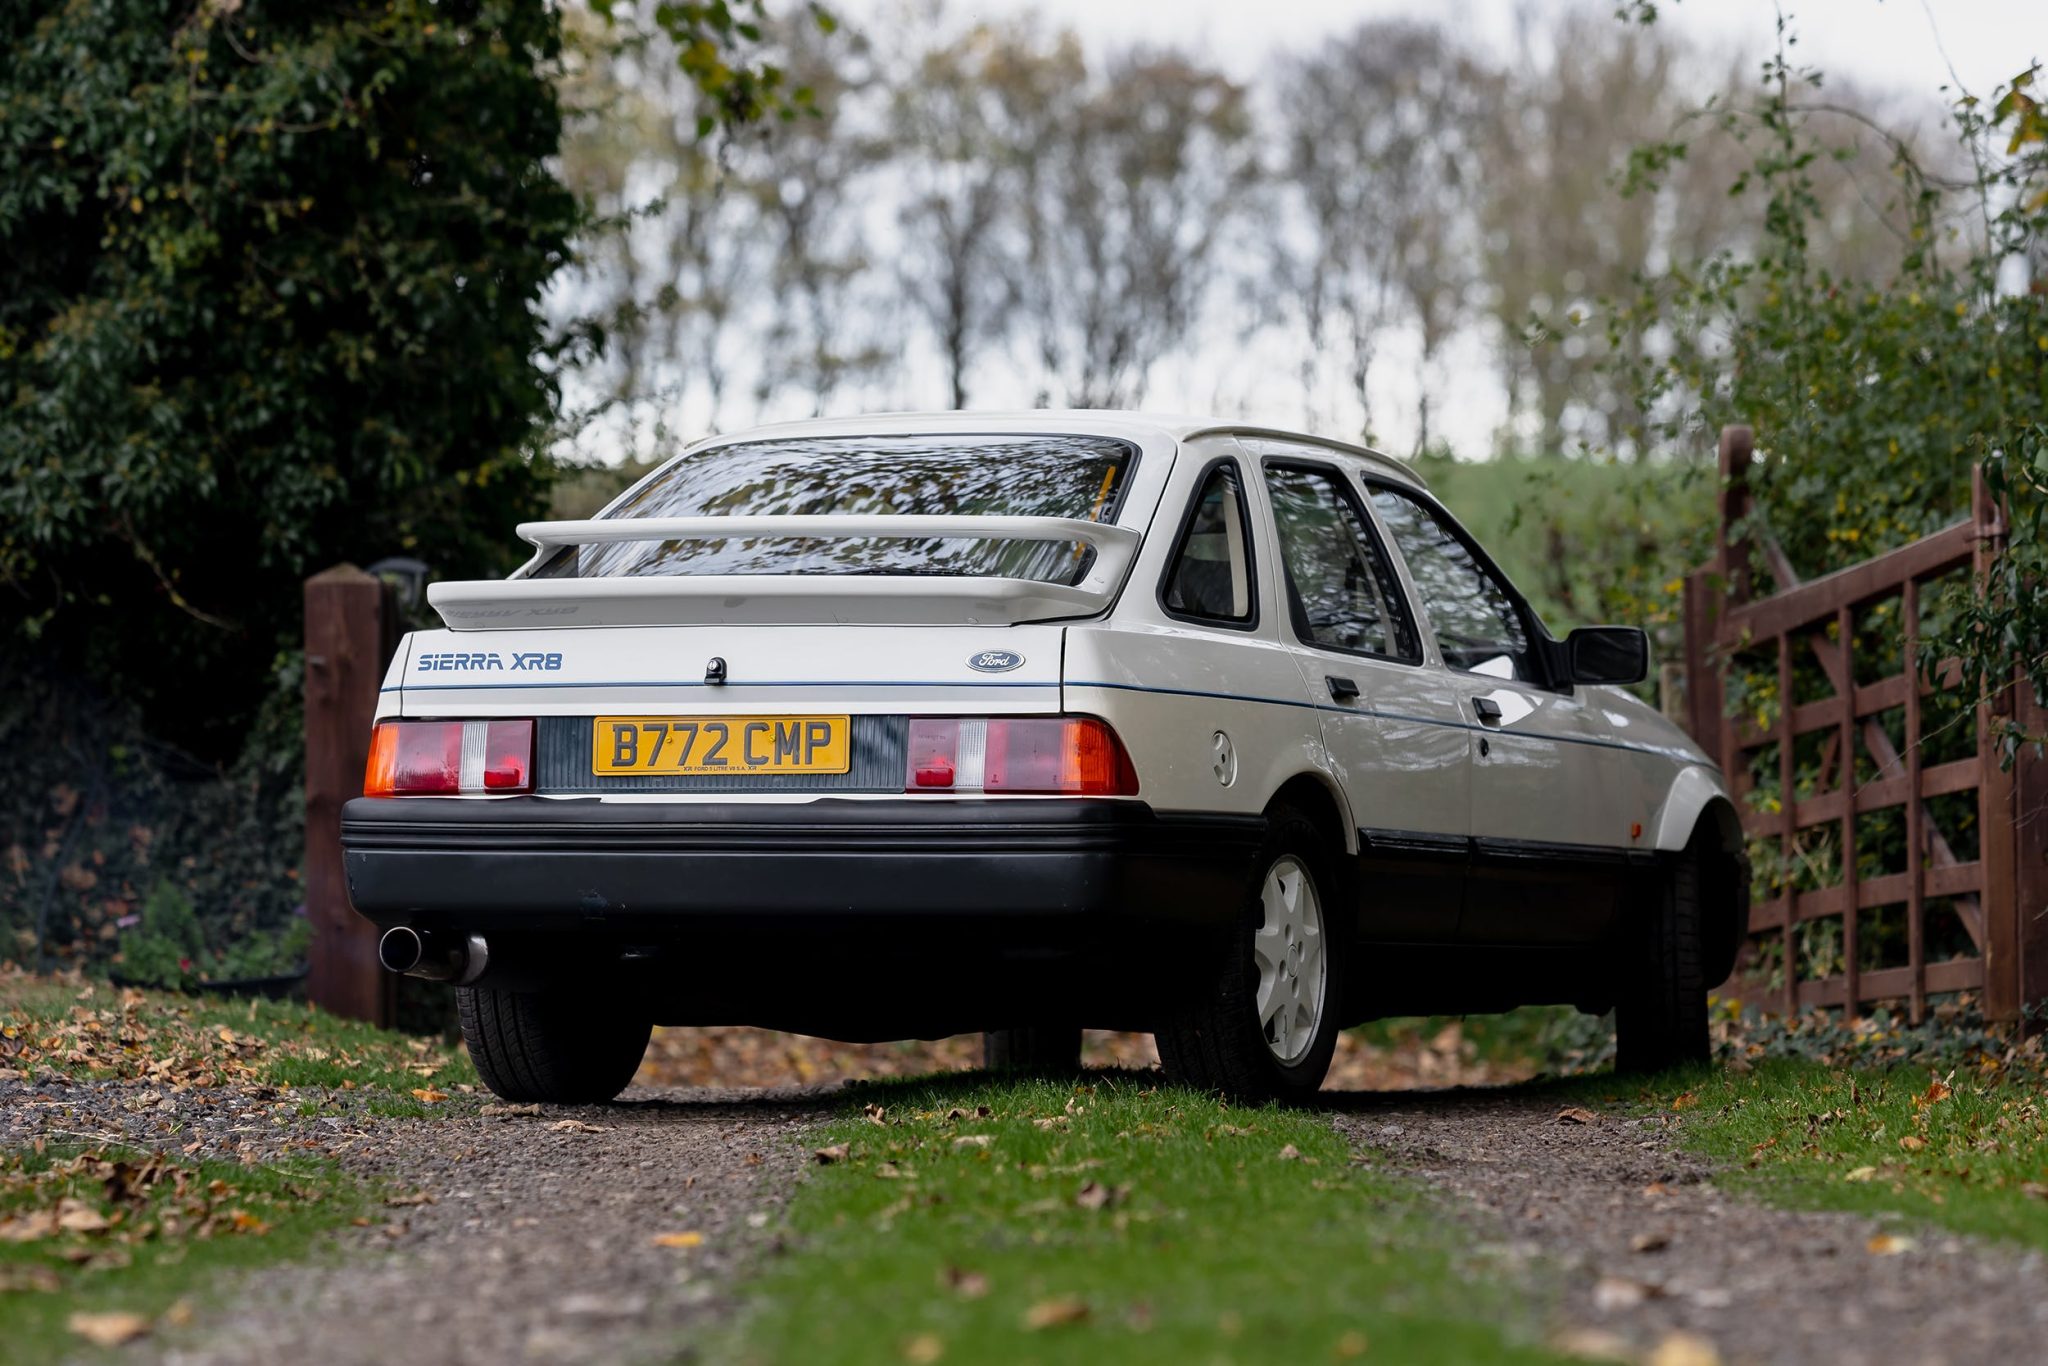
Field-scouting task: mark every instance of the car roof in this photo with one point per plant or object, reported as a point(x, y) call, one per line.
point(1067, 421)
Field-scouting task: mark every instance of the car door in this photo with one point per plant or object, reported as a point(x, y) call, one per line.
point(1390, 725)
point(1547, 867)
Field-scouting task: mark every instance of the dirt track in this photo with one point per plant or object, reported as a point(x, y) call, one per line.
point(540, 1240)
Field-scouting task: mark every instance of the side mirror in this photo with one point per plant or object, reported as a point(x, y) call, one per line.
point(1607, 654)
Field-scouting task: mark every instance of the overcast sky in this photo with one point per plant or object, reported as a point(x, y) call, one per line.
point(1874, 40)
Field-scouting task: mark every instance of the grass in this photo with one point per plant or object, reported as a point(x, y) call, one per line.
point(110, 1230)
point(171, 1229)
point(92, 1029)
point(1114, 1221)
point(1965, 1150)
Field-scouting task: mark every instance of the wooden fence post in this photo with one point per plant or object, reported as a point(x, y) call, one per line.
point(350, 626)
point(2030, 847)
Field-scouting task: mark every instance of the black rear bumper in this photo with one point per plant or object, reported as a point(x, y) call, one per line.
point(991, 903)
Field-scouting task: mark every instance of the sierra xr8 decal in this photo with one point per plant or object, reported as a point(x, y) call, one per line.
point(487, 660)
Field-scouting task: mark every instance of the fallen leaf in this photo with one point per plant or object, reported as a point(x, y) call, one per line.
point(108, 1330)
point(1912, 1143)
point(1290, 1153)
point(27, 1277)
point(427, 1095)
point(1685, 1100)
point(2034, 1190)
point(875, 1114)
point(689, 1239)
point(924, 1349)
point(974, 1140)
point(493, 1111)
point(1889, 1244)
point(1622, 1292)
point(1095, 1195)
point(1576, 1114)
point(1860, 1174)
point(968, 1285)
point(1683, 1349)
point(838, 1152)
point(179, 1314)
point(76, 1217)
point(416, 1198)
point(1649, 1242)
point(1351, 1344)
point(1053, 1313)
point(889, 1171)
point(575, 1126)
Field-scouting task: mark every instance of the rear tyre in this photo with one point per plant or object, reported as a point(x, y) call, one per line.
point(1044, 1049)
point(1661, 1020)
point(1265, 1025)
point(556, 1047)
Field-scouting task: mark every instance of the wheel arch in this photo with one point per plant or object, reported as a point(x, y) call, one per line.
point(1318, 797)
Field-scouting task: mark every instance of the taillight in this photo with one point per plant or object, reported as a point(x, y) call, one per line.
point(449, 758)
point(1067, 755)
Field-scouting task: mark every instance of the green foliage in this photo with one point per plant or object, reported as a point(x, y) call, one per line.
point(272, 304)
point(715, 43)
point(169, 949)
point(1872, 397)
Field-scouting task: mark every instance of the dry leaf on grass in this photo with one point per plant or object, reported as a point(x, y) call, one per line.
point(1860, 1174)
point(968, 1285)
point(1290, 1153)
point(924, 1349)
point(1683, 1349)
point(427, 1095)
point(974, 1140)
point(1351, 1344)
point(837, 1152)
point(26, 1277)
point(1912, 1143)
point(688, 1239)
point(1576, 1114)
point(75, 1216)
point(108, 1330)
point(1053, 1313)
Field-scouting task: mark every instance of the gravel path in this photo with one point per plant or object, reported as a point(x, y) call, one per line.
point(539, 1241)
point(1641, 1245)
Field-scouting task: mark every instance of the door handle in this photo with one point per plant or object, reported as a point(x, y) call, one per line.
point(1488, 710)
point(1341, 689)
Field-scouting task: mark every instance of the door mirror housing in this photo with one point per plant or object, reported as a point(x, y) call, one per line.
point(1607, 654)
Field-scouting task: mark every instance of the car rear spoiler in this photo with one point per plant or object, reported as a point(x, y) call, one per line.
point(792, 599)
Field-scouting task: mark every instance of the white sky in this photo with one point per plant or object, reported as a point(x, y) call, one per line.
point(1877, 41)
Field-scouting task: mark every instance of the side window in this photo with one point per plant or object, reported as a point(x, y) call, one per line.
point(1343, 593)
point(1478, 627)
point(1210, 575)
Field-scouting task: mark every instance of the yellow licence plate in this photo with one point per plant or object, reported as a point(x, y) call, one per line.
point(708, 745)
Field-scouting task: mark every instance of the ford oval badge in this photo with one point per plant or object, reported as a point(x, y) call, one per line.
point(995, 661)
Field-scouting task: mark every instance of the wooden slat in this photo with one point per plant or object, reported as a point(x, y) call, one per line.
point(1916, 814)
point(1852, 919)
point(1961, 974)
point(1959, 775)
point(1788, 829)
point(1818, 599)
point(1822, 903)
point(1882, 695)
point(1871, 699)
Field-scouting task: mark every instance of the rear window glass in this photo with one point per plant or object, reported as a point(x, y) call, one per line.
point(1012, 476)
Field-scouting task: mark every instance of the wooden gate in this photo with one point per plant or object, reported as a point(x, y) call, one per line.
point(1813, 774)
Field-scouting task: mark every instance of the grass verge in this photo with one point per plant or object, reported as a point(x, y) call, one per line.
point(1113, 1221)
point(104, 1244)
point(1961, 1148)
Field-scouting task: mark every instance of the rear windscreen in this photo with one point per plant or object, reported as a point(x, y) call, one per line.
point(1009, 476)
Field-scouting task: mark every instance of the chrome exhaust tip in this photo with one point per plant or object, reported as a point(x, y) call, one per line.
point(401, 949)
point(437, 958)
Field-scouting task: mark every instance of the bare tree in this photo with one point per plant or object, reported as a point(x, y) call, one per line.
point(1380, 158)
point(1124, 206)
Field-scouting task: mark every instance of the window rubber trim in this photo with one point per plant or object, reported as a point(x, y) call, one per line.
point(1371, 526)
point(1251, 551)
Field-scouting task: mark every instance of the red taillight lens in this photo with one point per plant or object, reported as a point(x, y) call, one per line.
point(449, 758)
point(1064, 755)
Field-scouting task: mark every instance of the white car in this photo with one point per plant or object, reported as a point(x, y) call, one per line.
point(916, 725)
